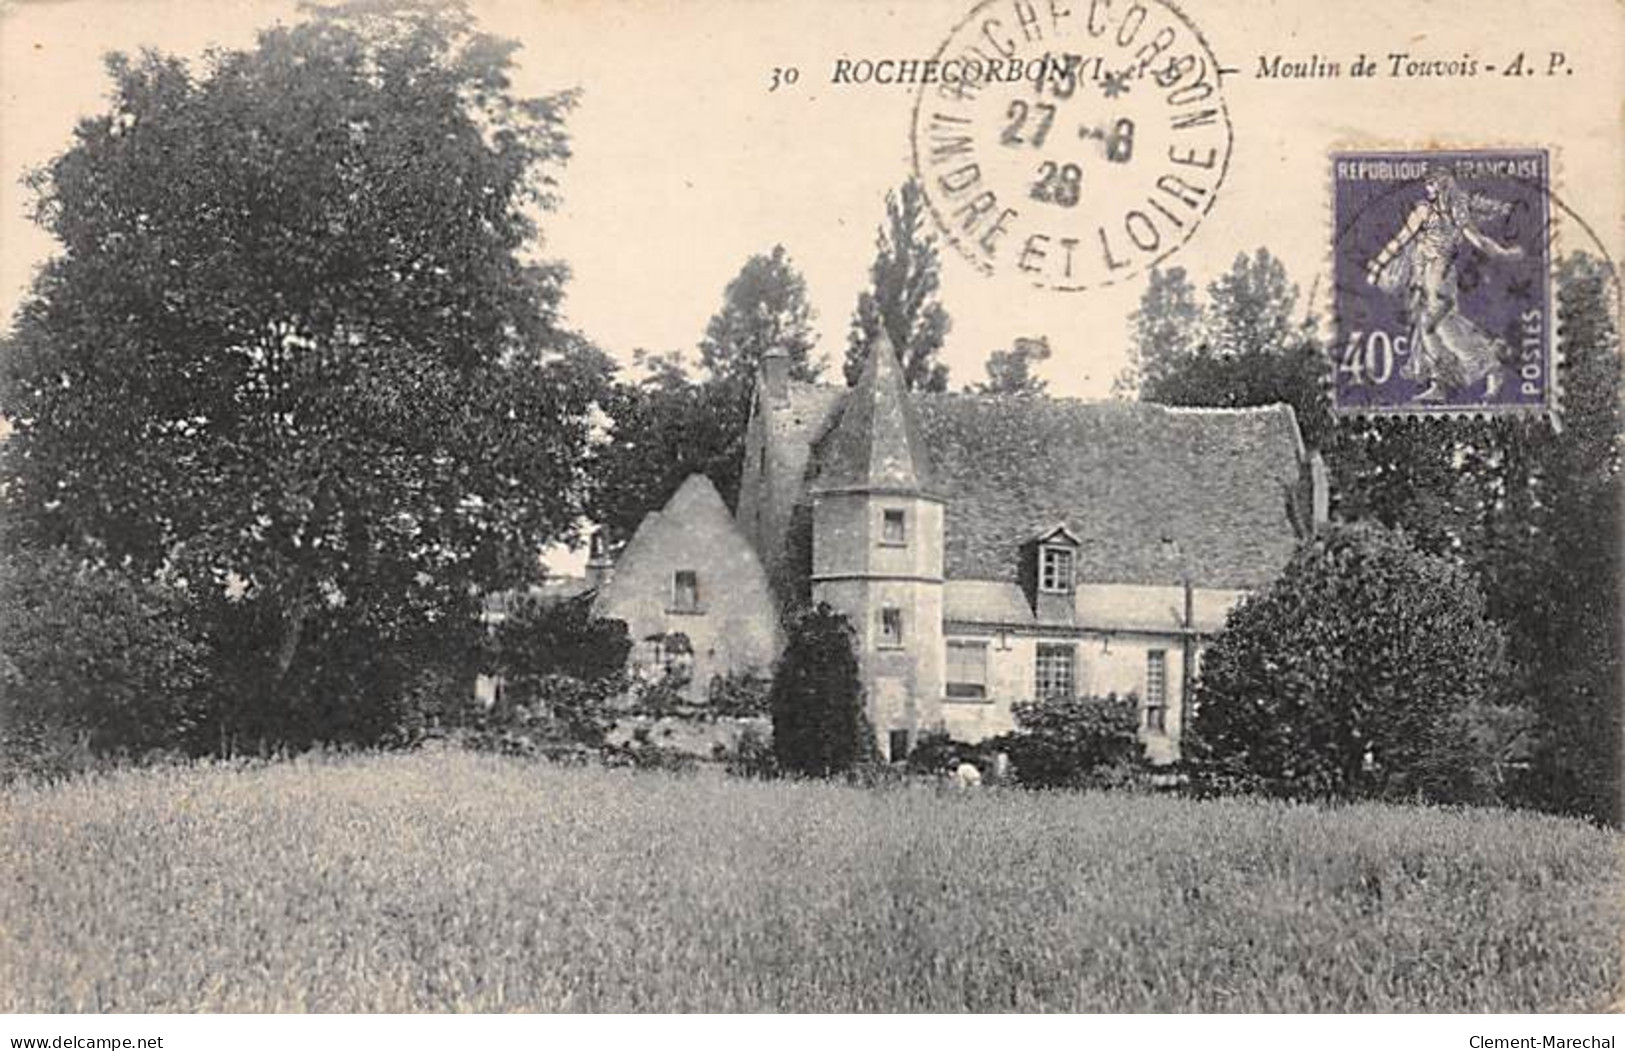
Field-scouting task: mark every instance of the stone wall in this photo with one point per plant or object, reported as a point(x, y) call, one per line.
point(860, 574)
point(1104, 664)
point(735, 625)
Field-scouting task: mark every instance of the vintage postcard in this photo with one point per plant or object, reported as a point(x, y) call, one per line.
point(811, 506)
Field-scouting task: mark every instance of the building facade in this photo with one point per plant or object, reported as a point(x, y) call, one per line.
point(692, 593)
point(989, 550)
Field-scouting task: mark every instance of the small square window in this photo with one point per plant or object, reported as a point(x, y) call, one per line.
point(893, 528)
point(1055, 569)
point(891, 628)
point(685, 591)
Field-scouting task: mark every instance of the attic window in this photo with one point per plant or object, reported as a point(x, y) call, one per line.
point(893, 528)
point(1055, 569)
point(685, 591)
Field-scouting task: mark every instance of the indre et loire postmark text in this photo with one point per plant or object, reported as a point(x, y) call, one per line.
point(1071, 146)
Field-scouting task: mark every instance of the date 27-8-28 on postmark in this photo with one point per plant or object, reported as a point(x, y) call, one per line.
point(1442, 270)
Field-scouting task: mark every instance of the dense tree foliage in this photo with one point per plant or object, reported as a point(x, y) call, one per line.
point(294, 357)
point(1544, 537)
point(1166, 329)
point(537, 638)
point(765, 307)
point(1074, 742)
point(1531, 510)
point(1368, 670)
point(819, 726)
point(664, 427)
point(902, 295)
point(671, 423)
point(1244, 345)
point(1011, 371)
point(90, 664)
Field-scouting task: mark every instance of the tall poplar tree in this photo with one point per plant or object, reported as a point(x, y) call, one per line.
point(902, 295)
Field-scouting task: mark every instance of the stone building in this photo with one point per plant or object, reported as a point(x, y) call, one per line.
point(989, 550)
point(692, 593)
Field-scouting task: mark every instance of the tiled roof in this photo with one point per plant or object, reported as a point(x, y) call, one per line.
point(876, 444)
point(1151, 492)
point(1132, 607)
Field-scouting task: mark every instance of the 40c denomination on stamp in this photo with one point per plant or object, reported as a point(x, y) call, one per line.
point(1442, 267)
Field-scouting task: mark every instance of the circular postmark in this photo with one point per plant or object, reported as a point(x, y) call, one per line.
point(1074, 145)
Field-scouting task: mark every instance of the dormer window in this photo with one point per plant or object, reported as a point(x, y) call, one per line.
point(1055, 569)
point(893, 528)
point(1052, 565)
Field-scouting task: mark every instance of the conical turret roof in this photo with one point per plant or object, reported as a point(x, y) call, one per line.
point(877, 444)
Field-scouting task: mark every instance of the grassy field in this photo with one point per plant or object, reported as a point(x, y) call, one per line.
point(454, 882)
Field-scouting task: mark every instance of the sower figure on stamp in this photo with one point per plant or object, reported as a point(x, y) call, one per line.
point(1448, 350)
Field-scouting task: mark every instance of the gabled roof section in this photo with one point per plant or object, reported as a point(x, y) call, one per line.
point(876, 445)
point(1151, 493)
point(695, 505)
point(695, 516)
point(1057, 534)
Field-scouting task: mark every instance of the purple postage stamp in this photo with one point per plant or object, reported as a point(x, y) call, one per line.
point(1441, 265)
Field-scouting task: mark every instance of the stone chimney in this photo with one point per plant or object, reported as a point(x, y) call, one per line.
point(775, 376)
point(600, 567)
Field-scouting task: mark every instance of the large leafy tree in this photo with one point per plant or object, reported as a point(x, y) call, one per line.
point(294, 355)
point(1531, 510)
point(674, 421)
point(902, 295)
point(1545, 528)
point(665, 426)
point(764, 307)
point(1011, 371)
point(1369, 669)
point(1244, 345)
point(1166, 330)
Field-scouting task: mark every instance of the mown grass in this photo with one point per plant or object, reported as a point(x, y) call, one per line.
point(456, 882)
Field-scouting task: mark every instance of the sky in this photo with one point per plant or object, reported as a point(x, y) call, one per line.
point(685, 163)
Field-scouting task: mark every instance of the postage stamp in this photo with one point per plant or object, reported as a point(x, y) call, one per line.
point(1442, 270)
point(1071, 146)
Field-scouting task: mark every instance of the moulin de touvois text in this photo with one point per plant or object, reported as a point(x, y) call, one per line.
point(1406, 65)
